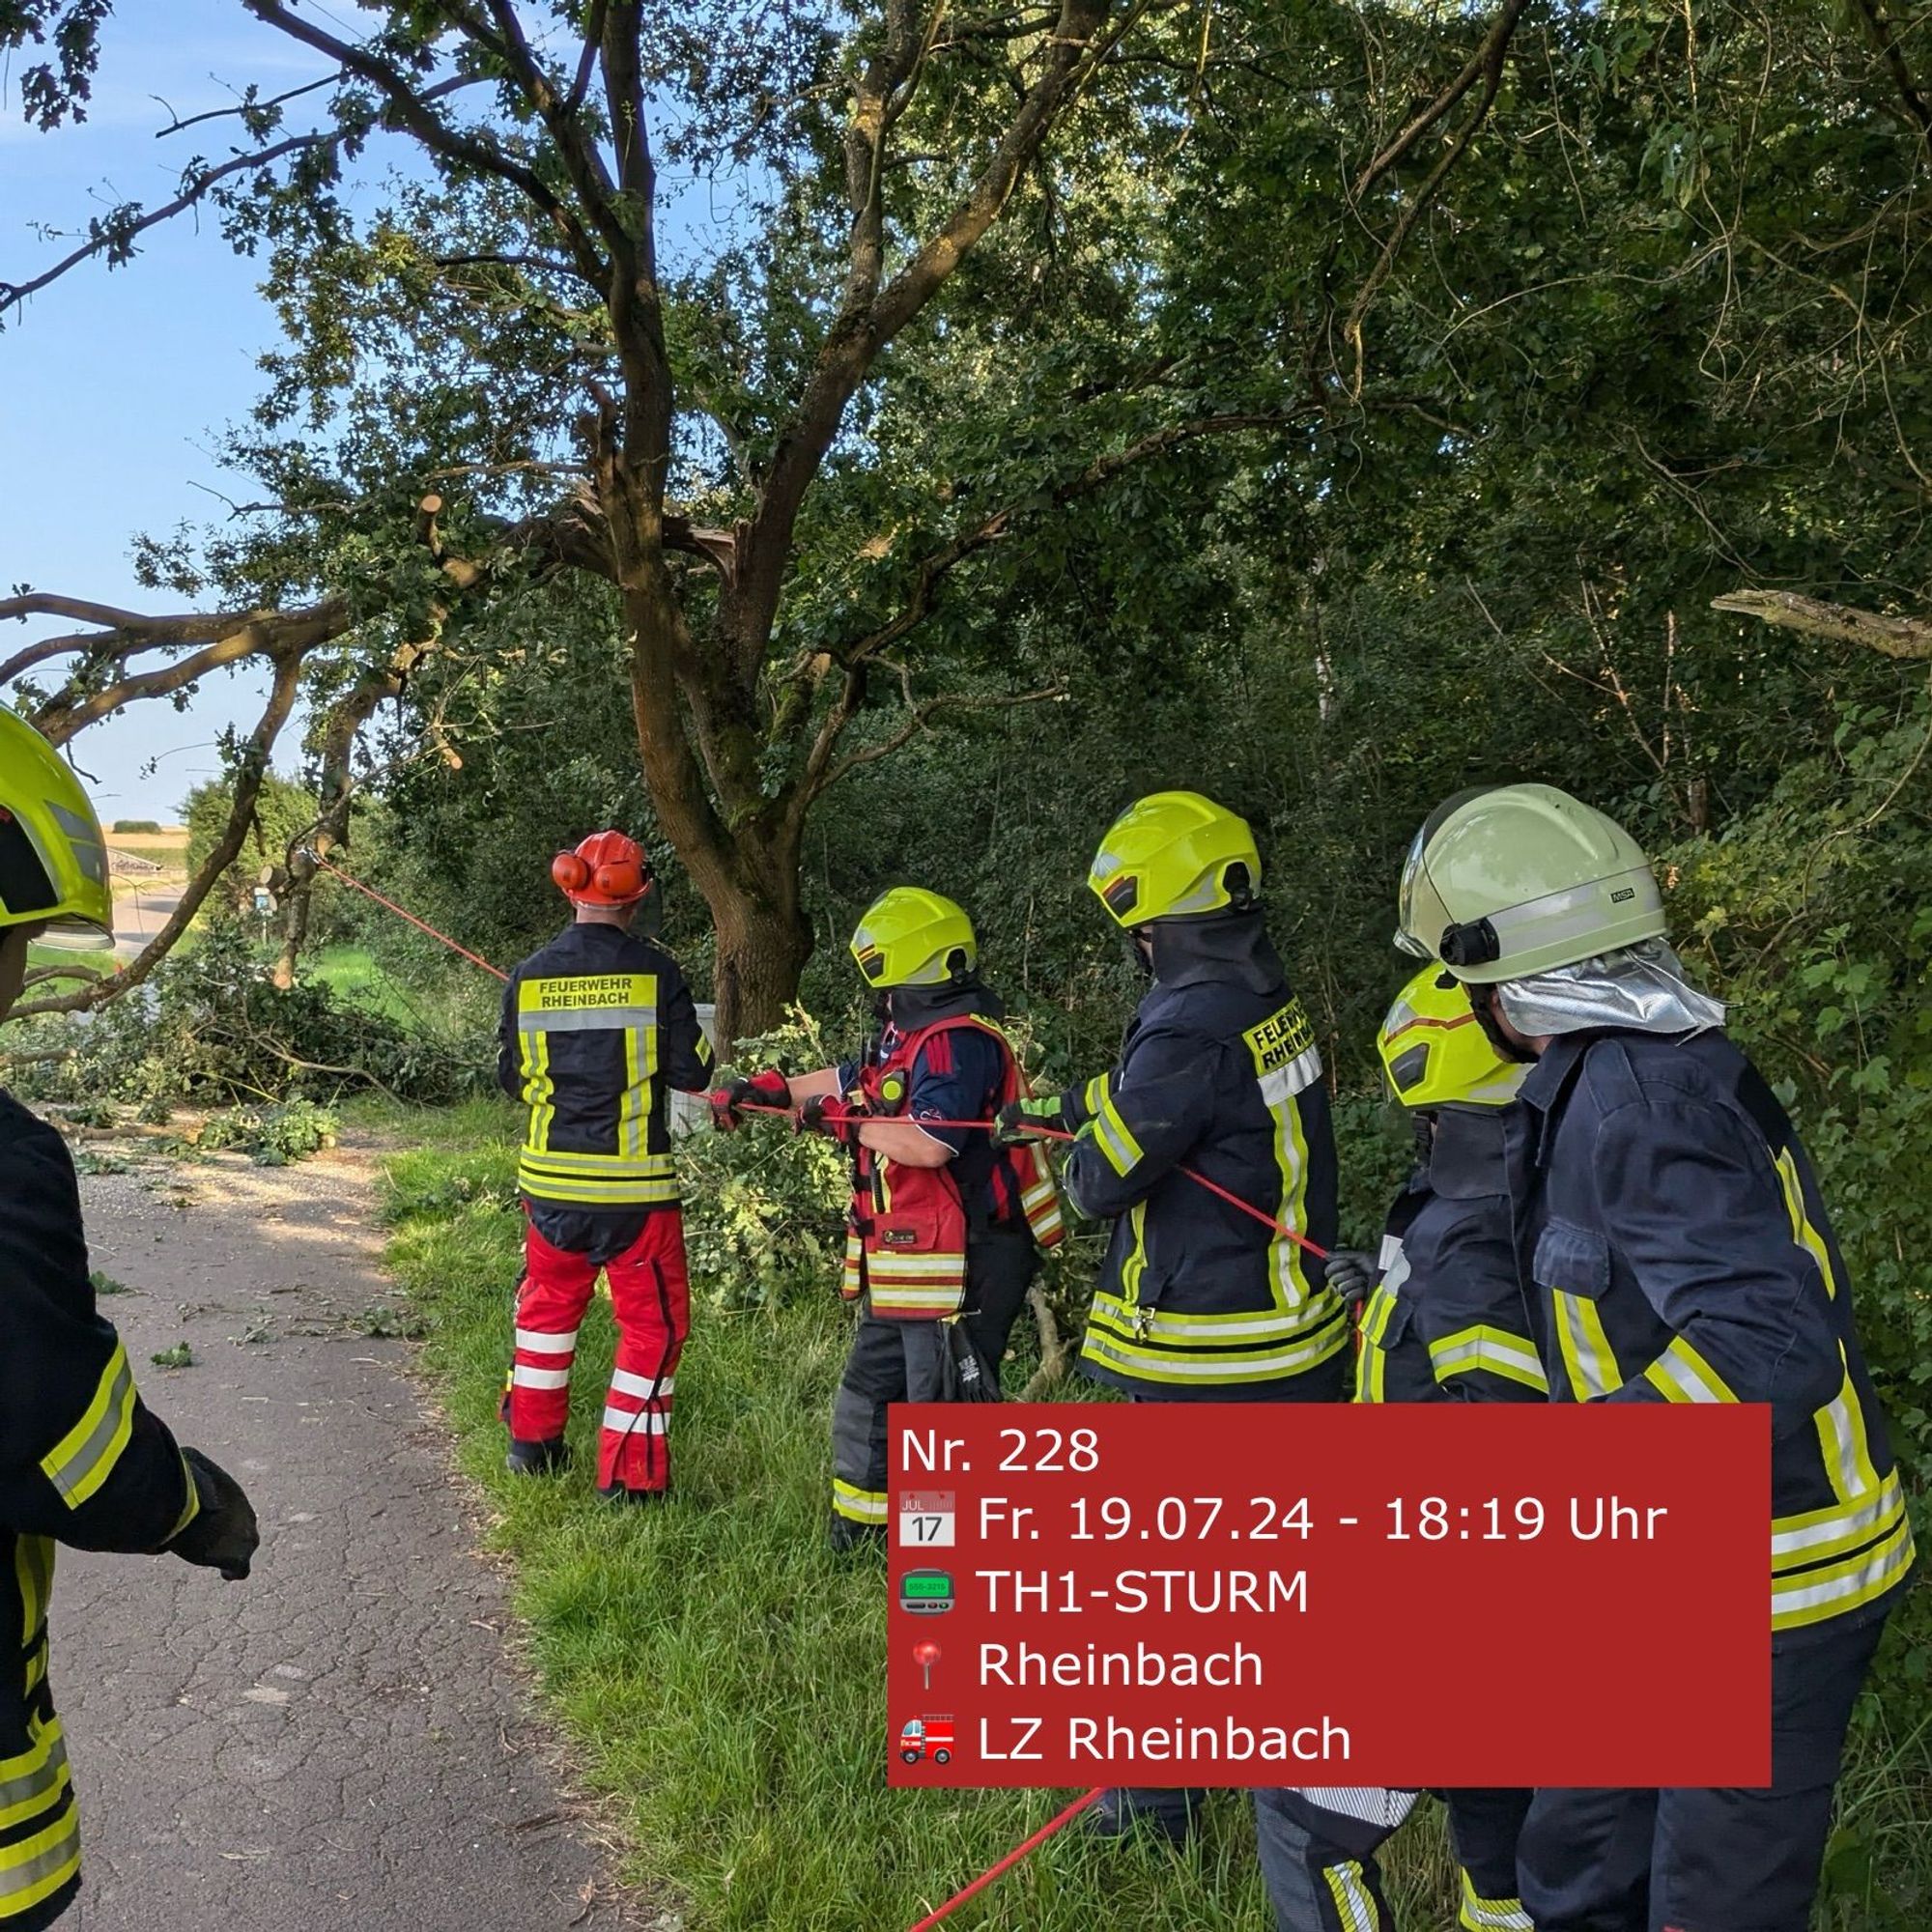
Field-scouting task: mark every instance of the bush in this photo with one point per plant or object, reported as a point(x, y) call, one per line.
point(134, 825)
point(274, 1136)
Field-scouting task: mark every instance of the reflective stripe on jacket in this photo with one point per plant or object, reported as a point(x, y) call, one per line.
point(82, 1462)
point(906, 1240)
point(1194, 1296)
point(1669, 1218)
point(1448, 1322)
point(595, 1028)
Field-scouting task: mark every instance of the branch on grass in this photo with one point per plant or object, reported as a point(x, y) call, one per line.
point(1053, 1350)
point(40, 1057)
point(1894, 636)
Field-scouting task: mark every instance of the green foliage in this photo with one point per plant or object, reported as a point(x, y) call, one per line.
point(273, 1136)
point(766, 1215)
point(210, 1027)
point(136, 825)
point(179, 1356)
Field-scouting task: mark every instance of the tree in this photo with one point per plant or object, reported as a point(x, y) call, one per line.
point(706, 443)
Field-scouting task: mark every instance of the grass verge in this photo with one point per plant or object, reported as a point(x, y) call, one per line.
point(717, 1671)
point(723, 1677)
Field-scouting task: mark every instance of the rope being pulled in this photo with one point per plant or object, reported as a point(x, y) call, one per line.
point(1194, 1174)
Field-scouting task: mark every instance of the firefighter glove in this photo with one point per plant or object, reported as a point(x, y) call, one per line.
point(223, 1534)
point(1351, 1273)
point(1022, 1119)
point(828, 1114)
point(768, 1089)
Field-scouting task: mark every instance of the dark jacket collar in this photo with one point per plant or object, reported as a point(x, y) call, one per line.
point(1226, 948)
point(916, 1007)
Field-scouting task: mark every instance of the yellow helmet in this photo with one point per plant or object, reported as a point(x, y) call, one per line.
point(1173, 855)
point(1511, 880)
point(1434, 1052)
point(53, 859)
point(911, 937)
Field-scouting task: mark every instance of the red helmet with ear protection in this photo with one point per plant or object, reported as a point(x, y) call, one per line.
point(607, 869)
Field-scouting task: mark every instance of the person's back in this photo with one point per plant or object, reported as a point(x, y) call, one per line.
point(597, 1027)
point(83, 1462)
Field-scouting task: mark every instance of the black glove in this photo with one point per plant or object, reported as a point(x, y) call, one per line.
point(769, 1089)
point(829, 1113)
point(223, 1534)
point(1020, 1120)
point(1352, 1273)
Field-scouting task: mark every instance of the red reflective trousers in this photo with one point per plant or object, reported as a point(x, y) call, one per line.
point(652, 1299)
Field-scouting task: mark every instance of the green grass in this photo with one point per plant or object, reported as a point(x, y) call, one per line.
point(722, 1676)
point(88, 964)
point(718, 1670)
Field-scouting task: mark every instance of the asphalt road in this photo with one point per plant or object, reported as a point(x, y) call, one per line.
point(140, 914)
point(342, 1743)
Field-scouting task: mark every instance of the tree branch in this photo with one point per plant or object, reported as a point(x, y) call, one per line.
point(112, 237)
point(1908, 638)
point(921, 715)
point(411, 109)
point(853, 344)
point(1488, 63)
point(251, 770)
point(1878, 25)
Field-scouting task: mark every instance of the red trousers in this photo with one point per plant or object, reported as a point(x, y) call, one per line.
point(652, 1299)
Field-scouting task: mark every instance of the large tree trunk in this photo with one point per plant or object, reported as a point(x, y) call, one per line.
point(762, 947)
point(744, 860)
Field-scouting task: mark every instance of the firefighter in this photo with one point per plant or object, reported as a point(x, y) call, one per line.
point(942, 1240)
point(1445, 1319)
point(83, 1460)
point(1670, 1223)
point(596, 1028)
point(1196, 1302)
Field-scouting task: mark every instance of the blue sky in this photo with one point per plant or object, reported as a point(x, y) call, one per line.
point(114, 387)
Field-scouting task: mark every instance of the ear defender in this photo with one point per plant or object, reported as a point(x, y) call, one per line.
point(619, 879)
point(569, 872)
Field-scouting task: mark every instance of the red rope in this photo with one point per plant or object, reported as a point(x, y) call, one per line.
point(1057, 1823)
point(1193, 1174)
point(401, 911)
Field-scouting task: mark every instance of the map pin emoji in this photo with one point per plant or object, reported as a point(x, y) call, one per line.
point(925, 1654)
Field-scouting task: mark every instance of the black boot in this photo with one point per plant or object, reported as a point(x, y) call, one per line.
point(1126, 1812)
point(538, 1459)
point(847, 1537)
point(616, 1493)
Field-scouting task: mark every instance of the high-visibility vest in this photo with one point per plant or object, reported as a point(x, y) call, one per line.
point(595, 1028)
point(906, 1237)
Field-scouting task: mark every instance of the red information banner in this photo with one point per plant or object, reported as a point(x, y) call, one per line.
point(1243, 1594)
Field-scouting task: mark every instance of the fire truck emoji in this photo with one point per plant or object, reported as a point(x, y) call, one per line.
point(926, 1736)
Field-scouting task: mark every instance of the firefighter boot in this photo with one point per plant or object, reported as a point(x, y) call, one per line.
point(621, 1494)
point(538, 1459)
point(1124, 1811)
point(847, 1538)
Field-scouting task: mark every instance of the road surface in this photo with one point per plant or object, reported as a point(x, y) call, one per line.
point(342, 1744)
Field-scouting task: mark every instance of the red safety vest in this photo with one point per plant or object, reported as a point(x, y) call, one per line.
point(905, 1242)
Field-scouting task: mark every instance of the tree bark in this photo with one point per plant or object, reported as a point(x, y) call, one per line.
point(763, 945)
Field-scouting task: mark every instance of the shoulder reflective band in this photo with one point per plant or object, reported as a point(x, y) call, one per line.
point(84, 1458)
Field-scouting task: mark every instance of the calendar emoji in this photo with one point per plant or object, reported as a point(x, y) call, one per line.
point(926, 1520)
